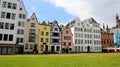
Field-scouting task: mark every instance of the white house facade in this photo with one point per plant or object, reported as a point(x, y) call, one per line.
point(12, 26)
point(55, 37)
point(86, 35)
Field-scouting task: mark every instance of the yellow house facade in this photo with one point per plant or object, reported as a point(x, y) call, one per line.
point(44, 38)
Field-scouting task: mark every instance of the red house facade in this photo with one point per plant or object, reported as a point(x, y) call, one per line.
point(67, 40)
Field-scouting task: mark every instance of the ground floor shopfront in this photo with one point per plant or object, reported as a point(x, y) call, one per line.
point(10, 49)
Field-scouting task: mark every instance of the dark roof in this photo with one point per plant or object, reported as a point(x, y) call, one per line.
point(52, 24)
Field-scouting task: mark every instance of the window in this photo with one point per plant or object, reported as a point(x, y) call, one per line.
point(18, 31)
point(84, 30)
point(9, 5)
point(10, 37)
point(22, 31)
point(79, 29)
point(66, 32)
point(5, 37)
point(20, 15)
point(75, 28)
point(21, 9)
point(31, 46)
point(78, 41)
point(42, 40)
point(58, 48)
point(22, 24)
point(69, 43)
point(1, 35)
point(6, 25)
point(41, 47)
point(64, 44)
point(81, 41)
point(11, 26)
point(31, 38)
point(17, 40)
point(55, 40)
point(26, 46)
point(55, 34)
point(4, 4)
point(46, 39)
point(19, 23)
point(44, 28)
point(75, 48)
point(1, 25)
point(23, 16)
point(67, 38)
point(13, 16)
point(3, 14)
point(8, 15)
point(56, 29)
point(32, 31)
point(14, 6)
point(78, 23)
point(42, 33)
point(32, 18)
point(47, 33)
point(21, 40)
point(32, 24)
point(75, 41)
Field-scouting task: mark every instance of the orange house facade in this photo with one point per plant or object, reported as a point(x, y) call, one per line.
point(67, 40)
point(107, 39)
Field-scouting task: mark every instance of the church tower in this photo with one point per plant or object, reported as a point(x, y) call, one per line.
point(117, 21)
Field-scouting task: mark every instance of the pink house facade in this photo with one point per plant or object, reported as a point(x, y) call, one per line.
point(67, 40)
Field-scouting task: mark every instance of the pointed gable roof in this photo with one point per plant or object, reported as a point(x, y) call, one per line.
point(34, 15)
point(67, 27)
point(91, 20)
point(22, 4)
point(53, 24)
point(44, 23)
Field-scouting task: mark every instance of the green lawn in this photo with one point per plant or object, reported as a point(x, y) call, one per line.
point(62, 60)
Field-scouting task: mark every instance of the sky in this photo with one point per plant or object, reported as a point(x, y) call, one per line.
point(64, 11)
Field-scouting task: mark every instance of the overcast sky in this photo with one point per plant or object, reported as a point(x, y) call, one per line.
point(103, 11)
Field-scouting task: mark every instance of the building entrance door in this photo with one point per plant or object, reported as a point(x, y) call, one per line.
point(46, 48)
point(88, 49)
point(52, 49)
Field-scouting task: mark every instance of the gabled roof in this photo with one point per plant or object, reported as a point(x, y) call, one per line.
point(105, 31)
point(91, 20)
point(61, 27)
point(53, 24)
point(67, 27)
point(73, 21)
point(44, 23)
point(21, 3)
point(34, 18)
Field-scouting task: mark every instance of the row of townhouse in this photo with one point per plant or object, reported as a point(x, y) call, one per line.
point(47, 37)
point(18, 34)
point(76, 36)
